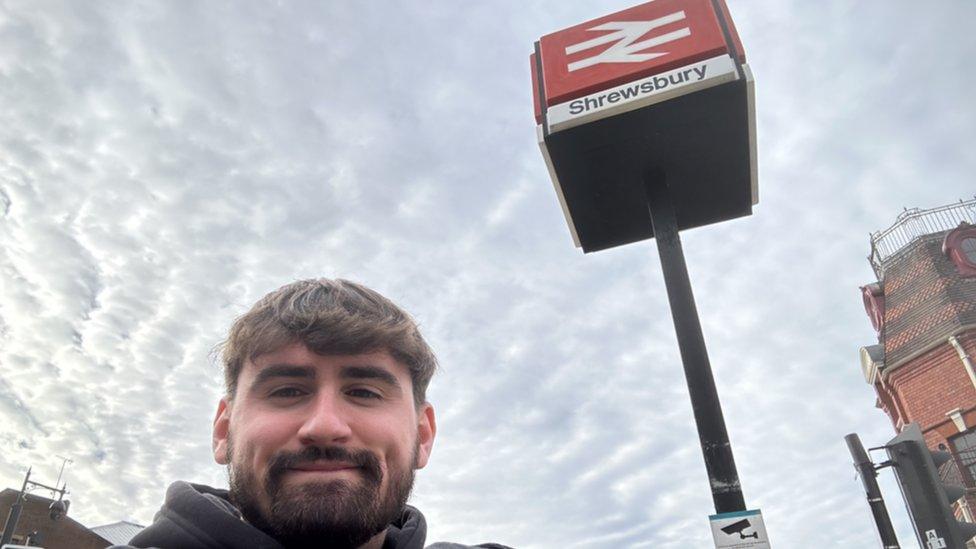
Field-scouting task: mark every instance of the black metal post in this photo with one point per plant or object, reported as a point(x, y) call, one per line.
point(868, 474)
point(719, 462)
point(14, 516)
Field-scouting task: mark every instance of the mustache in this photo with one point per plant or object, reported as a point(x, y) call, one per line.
point(365, 460)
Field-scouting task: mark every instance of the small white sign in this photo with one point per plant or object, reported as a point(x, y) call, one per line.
point(739, 529)
point(643, 92)
point(933, 540)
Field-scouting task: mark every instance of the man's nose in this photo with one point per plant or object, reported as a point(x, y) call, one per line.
point(326, 422)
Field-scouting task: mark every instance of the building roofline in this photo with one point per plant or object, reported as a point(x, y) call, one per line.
point(913, 224)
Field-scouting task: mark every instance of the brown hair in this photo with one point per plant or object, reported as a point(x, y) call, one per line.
point(330, 317)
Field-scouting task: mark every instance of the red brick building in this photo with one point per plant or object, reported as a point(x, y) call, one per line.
point(923, 307)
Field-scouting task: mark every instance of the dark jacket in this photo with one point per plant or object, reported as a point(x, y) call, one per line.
point(199, 517)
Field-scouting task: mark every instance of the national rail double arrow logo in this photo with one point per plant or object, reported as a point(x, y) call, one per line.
point(626, 48)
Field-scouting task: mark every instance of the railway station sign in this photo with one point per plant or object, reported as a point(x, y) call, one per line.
point(661, 86)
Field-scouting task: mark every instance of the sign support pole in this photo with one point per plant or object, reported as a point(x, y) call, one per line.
point(716, 449)
point(868, 473)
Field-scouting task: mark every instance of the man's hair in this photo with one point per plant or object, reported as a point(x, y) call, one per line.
point(330, 317)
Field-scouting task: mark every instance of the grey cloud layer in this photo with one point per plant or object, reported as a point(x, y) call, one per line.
point(164, 165)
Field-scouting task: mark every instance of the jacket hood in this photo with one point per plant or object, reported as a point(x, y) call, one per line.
point(200, 517)
point(407, 532)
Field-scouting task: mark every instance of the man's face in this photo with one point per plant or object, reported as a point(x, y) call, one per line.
point(322, 449)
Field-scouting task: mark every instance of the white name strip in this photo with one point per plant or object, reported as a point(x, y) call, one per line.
point(643, 92)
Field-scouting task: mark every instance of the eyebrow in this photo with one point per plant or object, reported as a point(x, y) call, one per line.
point(371, 372)
point(274, 371)
point(283, 370)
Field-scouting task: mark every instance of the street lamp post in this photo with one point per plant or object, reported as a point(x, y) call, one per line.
point(57, 510)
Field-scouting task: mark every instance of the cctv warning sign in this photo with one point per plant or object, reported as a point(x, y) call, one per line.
point(742, 529)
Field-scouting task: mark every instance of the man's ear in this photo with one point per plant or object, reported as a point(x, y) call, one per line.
point(221, 429)
point(426, 431)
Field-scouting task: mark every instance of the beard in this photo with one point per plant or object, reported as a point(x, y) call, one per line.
point(339, 514)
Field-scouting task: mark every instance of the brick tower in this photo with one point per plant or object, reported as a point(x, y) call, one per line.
point(923, 307)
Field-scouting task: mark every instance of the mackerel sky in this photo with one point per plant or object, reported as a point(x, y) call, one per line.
point(165, 164)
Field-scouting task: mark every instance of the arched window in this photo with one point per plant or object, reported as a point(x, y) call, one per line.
point(960, 246)
point(968, 246)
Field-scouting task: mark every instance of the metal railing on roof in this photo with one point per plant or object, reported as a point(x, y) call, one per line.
point(914, 223)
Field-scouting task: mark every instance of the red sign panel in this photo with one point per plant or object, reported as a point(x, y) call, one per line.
point(641, 41)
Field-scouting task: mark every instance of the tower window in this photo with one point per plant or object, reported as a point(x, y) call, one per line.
point(960, 246)
point(968, 246)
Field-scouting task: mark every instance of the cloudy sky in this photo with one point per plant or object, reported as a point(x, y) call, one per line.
point(165, 164)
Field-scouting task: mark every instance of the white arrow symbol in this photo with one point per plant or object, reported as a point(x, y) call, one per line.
point(625, 47)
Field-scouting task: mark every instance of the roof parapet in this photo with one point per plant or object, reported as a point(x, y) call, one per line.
point(915, 223)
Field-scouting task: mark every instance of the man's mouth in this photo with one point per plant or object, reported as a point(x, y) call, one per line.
point(324, 467)
point(324, 464)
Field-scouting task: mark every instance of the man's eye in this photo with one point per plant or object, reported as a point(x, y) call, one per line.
point(363, 393)
point(287, 392)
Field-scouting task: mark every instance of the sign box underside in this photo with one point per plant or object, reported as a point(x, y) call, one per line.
point(702, 143)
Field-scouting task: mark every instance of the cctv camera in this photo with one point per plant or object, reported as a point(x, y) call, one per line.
point(58, 509)
point(738, 527)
